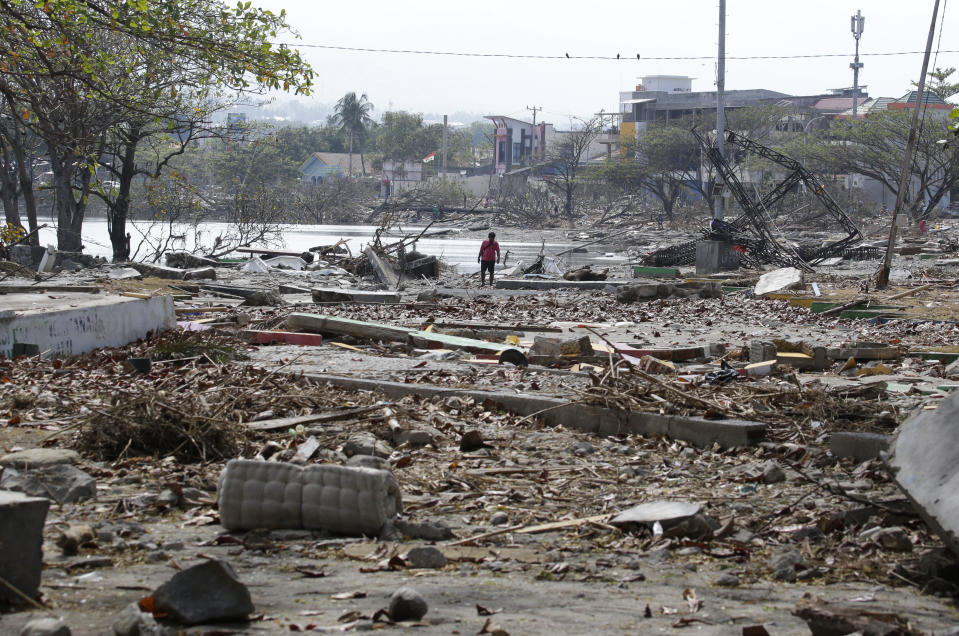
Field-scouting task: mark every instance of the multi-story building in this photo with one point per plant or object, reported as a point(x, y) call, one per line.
point(663, 98)
point(517, 143)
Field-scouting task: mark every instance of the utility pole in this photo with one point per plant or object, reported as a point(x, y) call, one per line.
point(533, 138)
point(882, 280)
point(856, 24)
point(718, 203)
point(444, 146)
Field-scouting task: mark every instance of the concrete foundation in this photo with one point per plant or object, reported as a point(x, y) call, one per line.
point(715, 256)
point(582, 417)
point(76, 323)
point(21, 540)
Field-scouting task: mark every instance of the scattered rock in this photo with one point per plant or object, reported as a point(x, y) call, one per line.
point(677, 518)
point(407, 604)
point(499, 518)
point(426, 557)
point(583, 448)
point(366, 444)
point(133, 622)
point(784, 562)
point(47, 626)
point(73, 537)
point(436, 531)
point(471, 441)
point(727, 580)
point(773, 473)
point(894, 539)
point(369, 461)
point(263, 299)
point(204, 593)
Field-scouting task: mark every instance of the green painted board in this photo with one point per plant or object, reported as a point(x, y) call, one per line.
point(942, 356)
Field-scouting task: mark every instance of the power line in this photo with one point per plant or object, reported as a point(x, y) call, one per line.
point(359, 49)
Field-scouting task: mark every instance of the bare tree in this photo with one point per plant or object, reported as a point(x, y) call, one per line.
point(335, 200)
point(566, 161)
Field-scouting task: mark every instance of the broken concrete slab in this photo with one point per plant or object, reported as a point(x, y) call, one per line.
point(186, 260)
point(779, 280)
point(865, 351)
point(583, 417)
point(205, 593)
point(860, 446)
point(383, 270)
point(40, 457)
point(73, 323)
point(925, 461)
point(123, 273)
point(21, 539)
point(288, 337)
point(61, 482)
point(347, 327)
point(200, 273)
point(158, 271)
point(339, 295)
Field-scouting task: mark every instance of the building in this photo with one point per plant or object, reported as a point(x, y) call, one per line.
point(323, 165)
point(933, 104)
point(517, 143)
point(663, 98)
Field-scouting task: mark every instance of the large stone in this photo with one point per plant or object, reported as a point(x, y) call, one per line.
point(860, 446)
point(21, 541)
point(426, 557)
point(779, 280)
point(63, 482)
point(925, 460)
point(40, 457)
point(407, 604)
point(205, 593)
point(46, 626)
point(366, 444)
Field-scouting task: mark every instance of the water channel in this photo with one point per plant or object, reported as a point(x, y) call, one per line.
point(454, 248)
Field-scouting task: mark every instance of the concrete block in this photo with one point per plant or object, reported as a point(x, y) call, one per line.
point(21, 540)
point(62, 482)
point(48, 260)
point(329, 294)
point(186, 260)
point(779, 280)
point(20, 254)
point(860, 446)
point(715, 256)
point(204, 593)
point(925, 461)
point(761, 351)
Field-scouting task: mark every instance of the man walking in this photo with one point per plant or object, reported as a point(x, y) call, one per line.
point(488, 256)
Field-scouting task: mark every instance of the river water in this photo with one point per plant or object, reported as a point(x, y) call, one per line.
point(455, 248)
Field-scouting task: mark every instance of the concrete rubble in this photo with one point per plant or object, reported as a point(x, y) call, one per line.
point(315, 431)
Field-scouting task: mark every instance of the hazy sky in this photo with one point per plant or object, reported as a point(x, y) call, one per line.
point(428, 83)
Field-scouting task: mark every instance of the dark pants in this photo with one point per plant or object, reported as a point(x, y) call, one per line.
point(484, 267)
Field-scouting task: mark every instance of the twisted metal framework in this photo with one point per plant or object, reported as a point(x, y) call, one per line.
point(751, 230)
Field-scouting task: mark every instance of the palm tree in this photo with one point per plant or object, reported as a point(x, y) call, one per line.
point(352, 115)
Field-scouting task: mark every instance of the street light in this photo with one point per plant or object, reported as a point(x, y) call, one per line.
point(856, 22)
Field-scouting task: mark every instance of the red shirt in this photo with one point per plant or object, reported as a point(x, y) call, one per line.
point(489, 250)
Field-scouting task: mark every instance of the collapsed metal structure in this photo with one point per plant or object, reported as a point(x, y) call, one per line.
point(751, 232)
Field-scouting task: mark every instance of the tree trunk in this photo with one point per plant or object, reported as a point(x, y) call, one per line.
point(29, 196)
point(119, 210)
point(8, 190)
point(68, 209)
point(351, 155)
